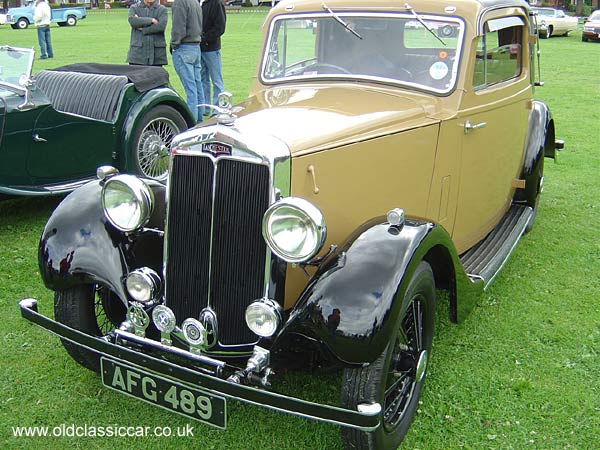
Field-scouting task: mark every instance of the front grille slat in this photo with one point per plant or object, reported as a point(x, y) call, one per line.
point(237, 262)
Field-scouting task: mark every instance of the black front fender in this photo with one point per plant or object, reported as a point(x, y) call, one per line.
point(351, 304)
point(78, 245)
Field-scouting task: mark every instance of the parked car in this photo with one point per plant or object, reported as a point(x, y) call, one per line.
point(591, 27)
point(58, 126)
point(312, 224)
point(554, 22)
point(21, 17)
point(128, 3)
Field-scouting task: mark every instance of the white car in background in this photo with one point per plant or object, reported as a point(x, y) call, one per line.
point(554, 22)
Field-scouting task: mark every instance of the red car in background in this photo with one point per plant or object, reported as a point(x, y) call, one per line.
point(591, 27)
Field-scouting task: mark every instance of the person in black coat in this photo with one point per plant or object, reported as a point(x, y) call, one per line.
point(148, 20)
point(213, 27)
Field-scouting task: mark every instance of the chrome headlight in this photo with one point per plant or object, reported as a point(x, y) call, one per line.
point(263, 317)
point(294, 229)
point(127, 202)
point(143, 284)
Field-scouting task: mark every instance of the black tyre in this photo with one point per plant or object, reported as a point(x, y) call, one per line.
point(583, 39)
point(91, 309)
point(152, 141)
point(396, 378)
point(71, 21)
point(22, 23)
point(549, 33)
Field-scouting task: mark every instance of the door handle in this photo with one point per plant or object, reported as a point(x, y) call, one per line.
point(37, 138)
point(472, 127)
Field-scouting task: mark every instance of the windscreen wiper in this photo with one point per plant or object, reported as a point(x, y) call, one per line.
point(414, 13)
point(340, 20)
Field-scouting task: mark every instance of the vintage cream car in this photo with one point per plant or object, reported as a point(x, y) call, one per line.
point(554, 22)
point(388, 150)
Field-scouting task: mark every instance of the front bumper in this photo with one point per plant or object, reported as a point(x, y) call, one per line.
point(366, 421)
point(591, 35)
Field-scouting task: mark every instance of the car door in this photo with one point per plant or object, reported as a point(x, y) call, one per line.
point(66, 147)
point(493, 116)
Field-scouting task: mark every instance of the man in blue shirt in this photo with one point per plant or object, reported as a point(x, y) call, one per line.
point(186, 34)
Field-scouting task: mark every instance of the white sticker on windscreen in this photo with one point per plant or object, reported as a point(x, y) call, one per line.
point(438, 70)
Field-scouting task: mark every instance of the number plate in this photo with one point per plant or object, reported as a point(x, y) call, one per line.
point(180, 398)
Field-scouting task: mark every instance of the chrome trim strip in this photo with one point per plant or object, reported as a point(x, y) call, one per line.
point(46, 190)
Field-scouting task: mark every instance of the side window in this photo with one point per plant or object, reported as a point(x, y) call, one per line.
point(499, 52)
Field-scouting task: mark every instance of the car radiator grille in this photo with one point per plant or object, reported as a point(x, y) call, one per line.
point(224, 268)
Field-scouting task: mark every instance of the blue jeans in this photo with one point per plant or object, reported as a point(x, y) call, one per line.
point(44, 41)
point(187, 63)
point(211, 71)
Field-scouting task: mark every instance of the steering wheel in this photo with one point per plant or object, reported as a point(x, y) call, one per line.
point(326, 66)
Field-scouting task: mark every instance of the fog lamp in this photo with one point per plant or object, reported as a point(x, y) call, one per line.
point(263, 317)
point(143, 284)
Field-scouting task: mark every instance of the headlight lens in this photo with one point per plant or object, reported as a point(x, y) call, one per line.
point(127, 202)
point(263, 317)
point(294, 229)
point(143, 284)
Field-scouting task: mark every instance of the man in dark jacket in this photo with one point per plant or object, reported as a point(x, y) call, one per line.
point(148, 20)
point(186, 34)
point(213, 18)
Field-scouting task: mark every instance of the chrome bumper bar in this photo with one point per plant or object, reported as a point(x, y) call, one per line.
point(366, 419)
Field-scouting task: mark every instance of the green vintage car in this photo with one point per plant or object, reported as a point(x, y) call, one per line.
point(58, 126)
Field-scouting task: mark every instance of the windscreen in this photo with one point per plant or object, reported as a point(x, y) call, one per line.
point(15, 64)
point(392, 48)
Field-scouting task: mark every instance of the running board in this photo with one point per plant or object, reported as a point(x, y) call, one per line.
point(485, 259)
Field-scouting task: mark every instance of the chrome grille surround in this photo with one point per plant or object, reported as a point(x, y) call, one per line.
point(247, 148)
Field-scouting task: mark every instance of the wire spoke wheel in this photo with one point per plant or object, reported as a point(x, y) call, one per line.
point(151, 146)
point(108, 310)
point(154, 147)
point(402, 376)
point(395, 378)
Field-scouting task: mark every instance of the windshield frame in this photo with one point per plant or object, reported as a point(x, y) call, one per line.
point(455, 67)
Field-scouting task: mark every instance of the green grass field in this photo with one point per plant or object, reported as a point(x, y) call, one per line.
point(523, 371)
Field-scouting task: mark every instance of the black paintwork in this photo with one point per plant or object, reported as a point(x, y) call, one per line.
point(352, 302)
point(78, 245)
point(540, 144)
